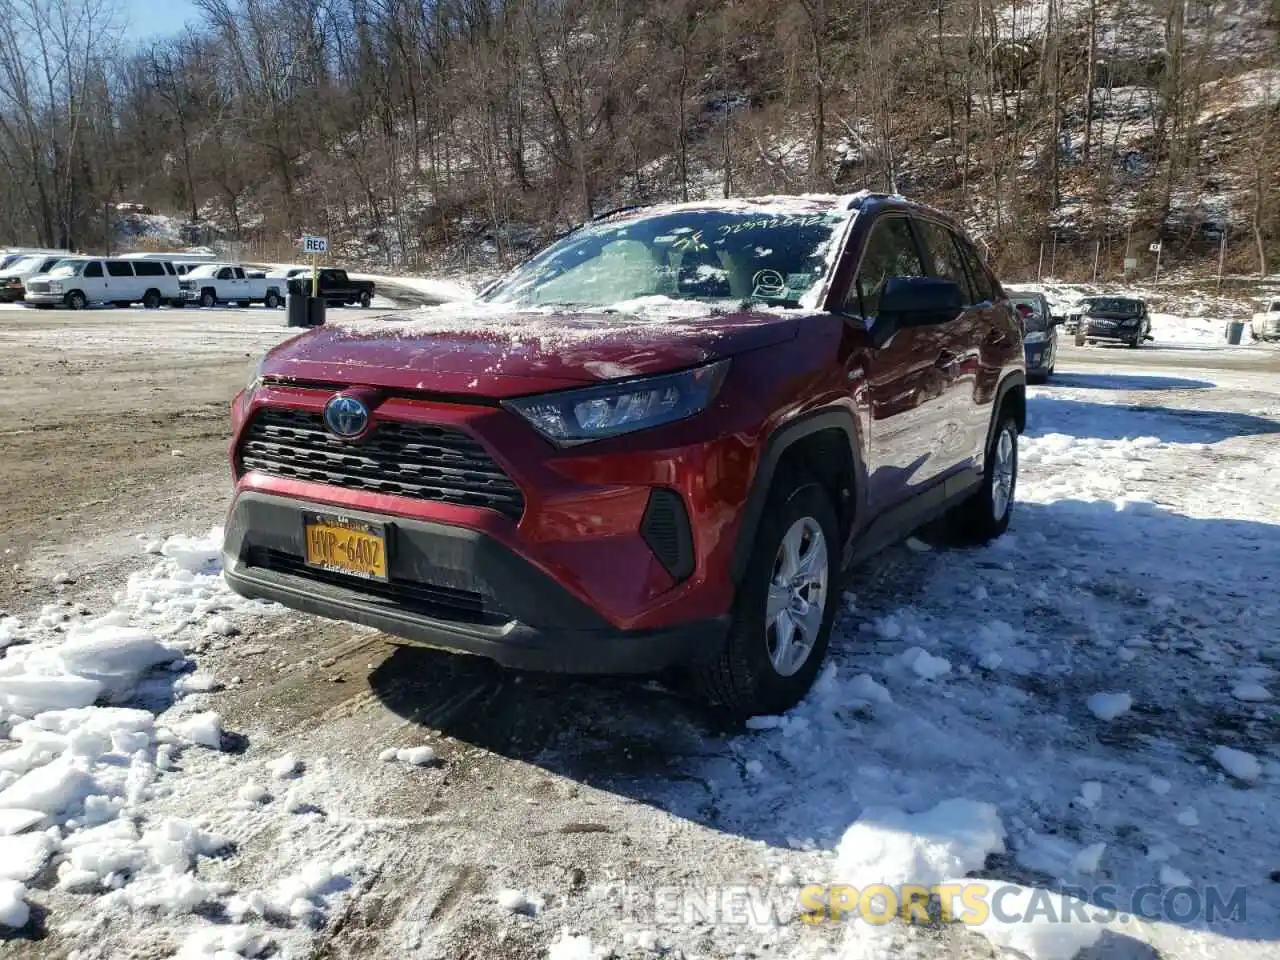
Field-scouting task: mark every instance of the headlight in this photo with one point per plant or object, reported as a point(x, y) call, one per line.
point(1035, 336)
point(255, 374)
point(577, 416)
point(55, 287)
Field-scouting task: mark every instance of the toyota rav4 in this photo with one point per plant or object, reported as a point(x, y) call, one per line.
point(659, 442)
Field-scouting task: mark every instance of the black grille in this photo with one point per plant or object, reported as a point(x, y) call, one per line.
point(411, 460)
point(431, 600)
point(665, 527)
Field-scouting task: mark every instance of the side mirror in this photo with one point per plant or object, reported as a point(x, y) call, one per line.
point(919, 301)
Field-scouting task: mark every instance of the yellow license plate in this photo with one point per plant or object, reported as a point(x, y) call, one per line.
point(352, 547)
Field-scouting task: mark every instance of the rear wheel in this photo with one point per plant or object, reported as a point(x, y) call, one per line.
point(784, 608)
point(365, 298)
point(75, 300)
point(985, 515)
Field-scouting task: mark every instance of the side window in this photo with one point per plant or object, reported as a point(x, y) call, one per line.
point(119, 268)
point(944, 256)
point(93, 269)
point(148, 268)
point(890, 252)
point(984, 286)
point(238, 273)
point(224, 273)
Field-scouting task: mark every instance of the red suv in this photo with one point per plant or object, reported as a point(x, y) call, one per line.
point(660, 441)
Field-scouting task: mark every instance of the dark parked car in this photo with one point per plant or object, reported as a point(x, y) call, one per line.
point(1111, 319)
point(1039, 333)
point(335, 287)
point(663, 442)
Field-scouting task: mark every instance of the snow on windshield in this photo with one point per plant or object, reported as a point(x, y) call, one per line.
point(773, 253)
point(68, 268)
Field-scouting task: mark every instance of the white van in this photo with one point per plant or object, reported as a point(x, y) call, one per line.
point(76, 283)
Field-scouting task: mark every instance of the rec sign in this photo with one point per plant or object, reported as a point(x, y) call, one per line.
point(315, 244)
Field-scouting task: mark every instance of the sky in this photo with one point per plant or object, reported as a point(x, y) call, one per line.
point(150, 19)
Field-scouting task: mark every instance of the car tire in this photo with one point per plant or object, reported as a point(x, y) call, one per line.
point(365, 300)
point(208, 298)
point(762, 666)
point(151, 299)
point(984, 516)
point(272, 300)
point(1136, 342)
point(75, 300)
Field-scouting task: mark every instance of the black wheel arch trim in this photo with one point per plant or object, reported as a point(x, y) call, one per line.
point(1015, 378)
point(782, 439)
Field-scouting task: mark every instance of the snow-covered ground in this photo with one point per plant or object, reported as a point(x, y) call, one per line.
point(1084, 707)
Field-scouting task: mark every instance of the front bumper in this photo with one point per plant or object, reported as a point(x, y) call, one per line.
point(11, 294)
point(44, 297)
point(1096, 331)
point(450, 587)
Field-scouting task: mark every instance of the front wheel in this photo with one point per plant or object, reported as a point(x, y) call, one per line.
point(272, 300)
point(985, 515)
point(75, 300)
point(151, 300)
point(784, 608)
point(208, 298)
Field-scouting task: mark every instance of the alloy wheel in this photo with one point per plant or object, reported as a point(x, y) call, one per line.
point(1002, 473)
point(797, 600)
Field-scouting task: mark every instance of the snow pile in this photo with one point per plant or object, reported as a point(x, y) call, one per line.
point(224, 943)
point(569, 947)
point(1108, 706)
point(1241, 765)
point(14, 911)
point(82, 766)
point(304, 896)
point(415, 756)
point(1039, 933)
point(886, 845)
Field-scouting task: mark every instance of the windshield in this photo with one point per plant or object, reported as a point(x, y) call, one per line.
point(1112, 305)
point(68, 268)
point(773, 256)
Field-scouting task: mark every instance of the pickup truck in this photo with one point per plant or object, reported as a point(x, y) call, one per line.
point(214, 283)
point(335, 287)
point(1266, 325)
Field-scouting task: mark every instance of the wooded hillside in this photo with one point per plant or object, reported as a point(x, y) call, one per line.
point(409, 130)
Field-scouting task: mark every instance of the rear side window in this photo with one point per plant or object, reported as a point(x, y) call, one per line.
point(93, 269)
point(944, 256)
point(148, 268)
point(119, 268)
point(890, 252)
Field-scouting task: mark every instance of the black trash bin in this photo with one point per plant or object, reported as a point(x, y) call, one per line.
point(1235, 330)
point(315, 311)
point(296, 313)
